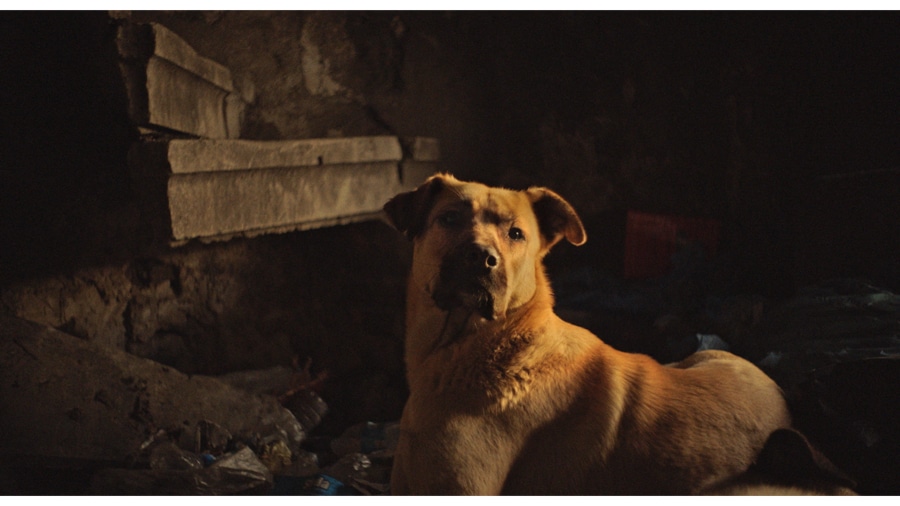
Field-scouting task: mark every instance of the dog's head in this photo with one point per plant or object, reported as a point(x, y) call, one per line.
point(480, 248)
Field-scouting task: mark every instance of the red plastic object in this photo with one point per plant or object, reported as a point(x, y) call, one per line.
point(652, 239)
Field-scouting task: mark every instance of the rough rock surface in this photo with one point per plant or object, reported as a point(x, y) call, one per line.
point(64, 399)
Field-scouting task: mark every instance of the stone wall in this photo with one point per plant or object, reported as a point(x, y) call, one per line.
point(728, 116)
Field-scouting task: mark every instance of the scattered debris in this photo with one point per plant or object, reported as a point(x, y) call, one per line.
point(168, 455)
point(276, 455)
point(379, 439)
point(711, 342)
point(237, 473)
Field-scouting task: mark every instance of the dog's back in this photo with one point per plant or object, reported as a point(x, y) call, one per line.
point(635, 427)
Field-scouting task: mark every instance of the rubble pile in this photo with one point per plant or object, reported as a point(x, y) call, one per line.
point(78, 418)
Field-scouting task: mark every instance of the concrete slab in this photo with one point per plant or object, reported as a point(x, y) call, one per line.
point(422, 149)
point(170, 86)
point(215, 189)
point(212, 204)
point(192, 156)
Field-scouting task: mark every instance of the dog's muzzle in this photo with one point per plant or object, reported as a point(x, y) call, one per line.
point(469, 277)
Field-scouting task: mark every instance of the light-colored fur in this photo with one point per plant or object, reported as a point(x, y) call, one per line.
point(505, 397)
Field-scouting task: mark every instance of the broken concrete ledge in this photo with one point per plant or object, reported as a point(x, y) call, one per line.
point(65, 400)
point(170, 86)
point(182, 156)
point(217, 189)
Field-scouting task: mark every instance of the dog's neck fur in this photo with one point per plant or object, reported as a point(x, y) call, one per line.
point(494, 363)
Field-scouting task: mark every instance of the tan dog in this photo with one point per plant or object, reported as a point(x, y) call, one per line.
point(507, 398)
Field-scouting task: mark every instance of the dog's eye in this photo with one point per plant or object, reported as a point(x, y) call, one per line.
point(449, 218)
point(516, 234)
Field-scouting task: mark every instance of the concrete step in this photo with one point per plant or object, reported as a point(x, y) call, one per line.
point(216, 189)
point(171, 87)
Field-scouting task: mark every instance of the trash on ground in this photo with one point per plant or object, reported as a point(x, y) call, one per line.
point(237, 473)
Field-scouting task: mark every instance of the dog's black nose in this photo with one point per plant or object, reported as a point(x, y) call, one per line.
point(482, 257)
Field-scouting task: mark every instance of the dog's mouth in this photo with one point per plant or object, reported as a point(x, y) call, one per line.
point(450, 295)
point(467, 281)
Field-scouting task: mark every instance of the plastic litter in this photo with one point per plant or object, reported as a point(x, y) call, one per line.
point(307, 407)
point(276, 455)
point(237, 473)
point(771, 360)
point(281, 426)
point(168, 455)
point(711, 342)
point(303, 464)
point(210, 437)
point(352, 474)
point(327, 485)
point(376, 438)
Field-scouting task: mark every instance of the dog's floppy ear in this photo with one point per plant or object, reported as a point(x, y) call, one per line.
point(556, 217)
point(408, 211)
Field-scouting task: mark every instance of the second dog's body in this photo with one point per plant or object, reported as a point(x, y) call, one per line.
point(505, 397)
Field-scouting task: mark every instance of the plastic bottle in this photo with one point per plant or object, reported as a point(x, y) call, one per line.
point(168, 456)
